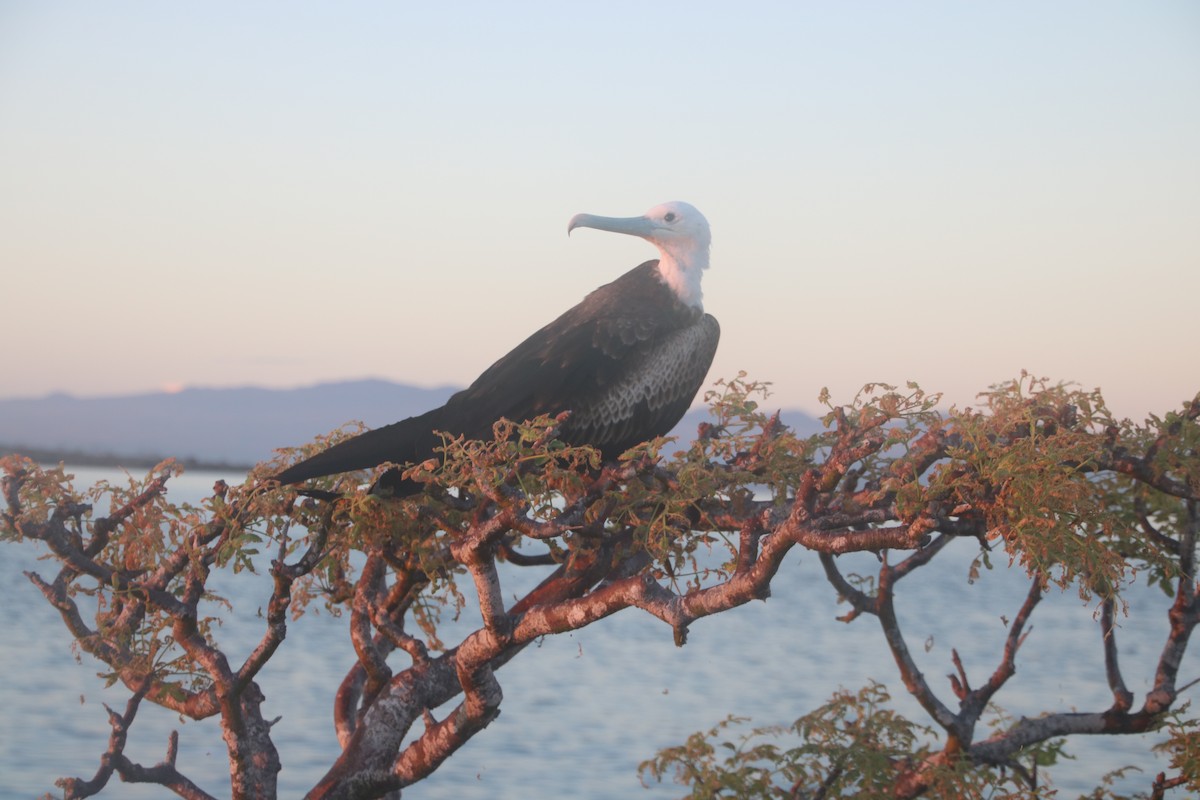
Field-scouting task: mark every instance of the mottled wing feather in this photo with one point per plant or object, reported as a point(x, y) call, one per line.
point(583, 352)
point(652, 395)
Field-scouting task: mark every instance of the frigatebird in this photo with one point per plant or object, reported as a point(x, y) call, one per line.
point(626, 362)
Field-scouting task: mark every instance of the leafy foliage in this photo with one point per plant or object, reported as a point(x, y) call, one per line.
point(1039, 471)
point(846, 747)
point(1183, 746)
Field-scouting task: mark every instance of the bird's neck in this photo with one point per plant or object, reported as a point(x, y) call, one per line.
point(681, 271)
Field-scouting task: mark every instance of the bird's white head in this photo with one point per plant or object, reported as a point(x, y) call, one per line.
point(681, 234)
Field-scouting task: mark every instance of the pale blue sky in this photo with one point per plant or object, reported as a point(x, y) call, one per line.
point(285, 193)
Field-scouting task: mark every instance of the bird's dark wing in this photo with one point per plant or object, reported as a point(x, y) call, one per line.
point(651, 396)
point(406, 441)
point(626, 362)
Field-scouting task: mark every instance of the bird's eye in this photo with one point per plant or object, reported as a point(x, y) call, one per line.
point(670, 217)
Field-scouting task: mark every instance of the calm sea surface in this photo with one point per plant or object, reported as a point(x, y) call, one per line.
point(582, 710)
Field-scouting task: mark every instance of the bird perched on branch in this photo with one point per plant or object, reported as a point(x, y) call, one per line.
point(626, 362)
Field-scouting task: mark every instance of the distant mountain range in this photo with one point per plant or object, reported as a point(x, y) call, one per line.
point(222, 427)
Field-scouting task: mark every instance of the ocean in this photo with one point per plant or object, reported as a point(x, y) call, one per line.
point(581, 710)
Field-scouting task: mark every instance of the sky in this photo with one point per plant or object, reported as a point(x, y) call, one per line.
point(282, 194)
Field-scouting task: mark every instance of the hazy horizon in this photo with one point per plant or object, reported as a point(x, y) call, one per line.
point(283, 196)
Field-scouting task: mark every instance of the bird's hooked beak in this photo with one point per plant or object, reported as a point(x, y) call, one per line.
point(634, 226)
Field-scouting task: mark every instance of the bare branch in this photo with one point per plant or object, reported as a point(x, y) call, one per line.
point(1122, 697)
point(859, 600)
point(913, 679)
point(114, 761)
point(976, 702)
point(1184, 616)
point(1003, 746)
point(958, 679)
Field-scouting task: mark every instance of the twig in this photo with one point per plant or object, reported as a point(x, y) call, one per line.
point(1122, 697)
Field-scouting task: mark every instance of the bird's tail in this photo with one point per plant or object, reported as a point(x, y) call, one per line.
point(407, 441)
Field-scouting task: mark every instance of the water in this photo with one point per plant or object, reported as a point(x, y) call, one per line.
point(582, 710)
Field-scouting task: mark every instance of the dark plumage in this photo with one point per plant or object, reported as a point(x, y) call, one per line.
point(626, 362)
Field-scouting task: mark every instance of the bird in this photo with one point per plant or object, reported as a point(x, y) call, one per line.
point(626, 362)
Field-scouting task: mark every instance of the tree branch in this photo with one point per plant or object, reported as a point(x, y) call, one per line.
point(913, 679)
point(1122, 697)
point(974, 704)
point(114, 761)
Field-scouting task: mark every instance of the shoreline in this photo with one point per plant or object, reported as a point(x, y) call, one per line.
point(83, 458)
